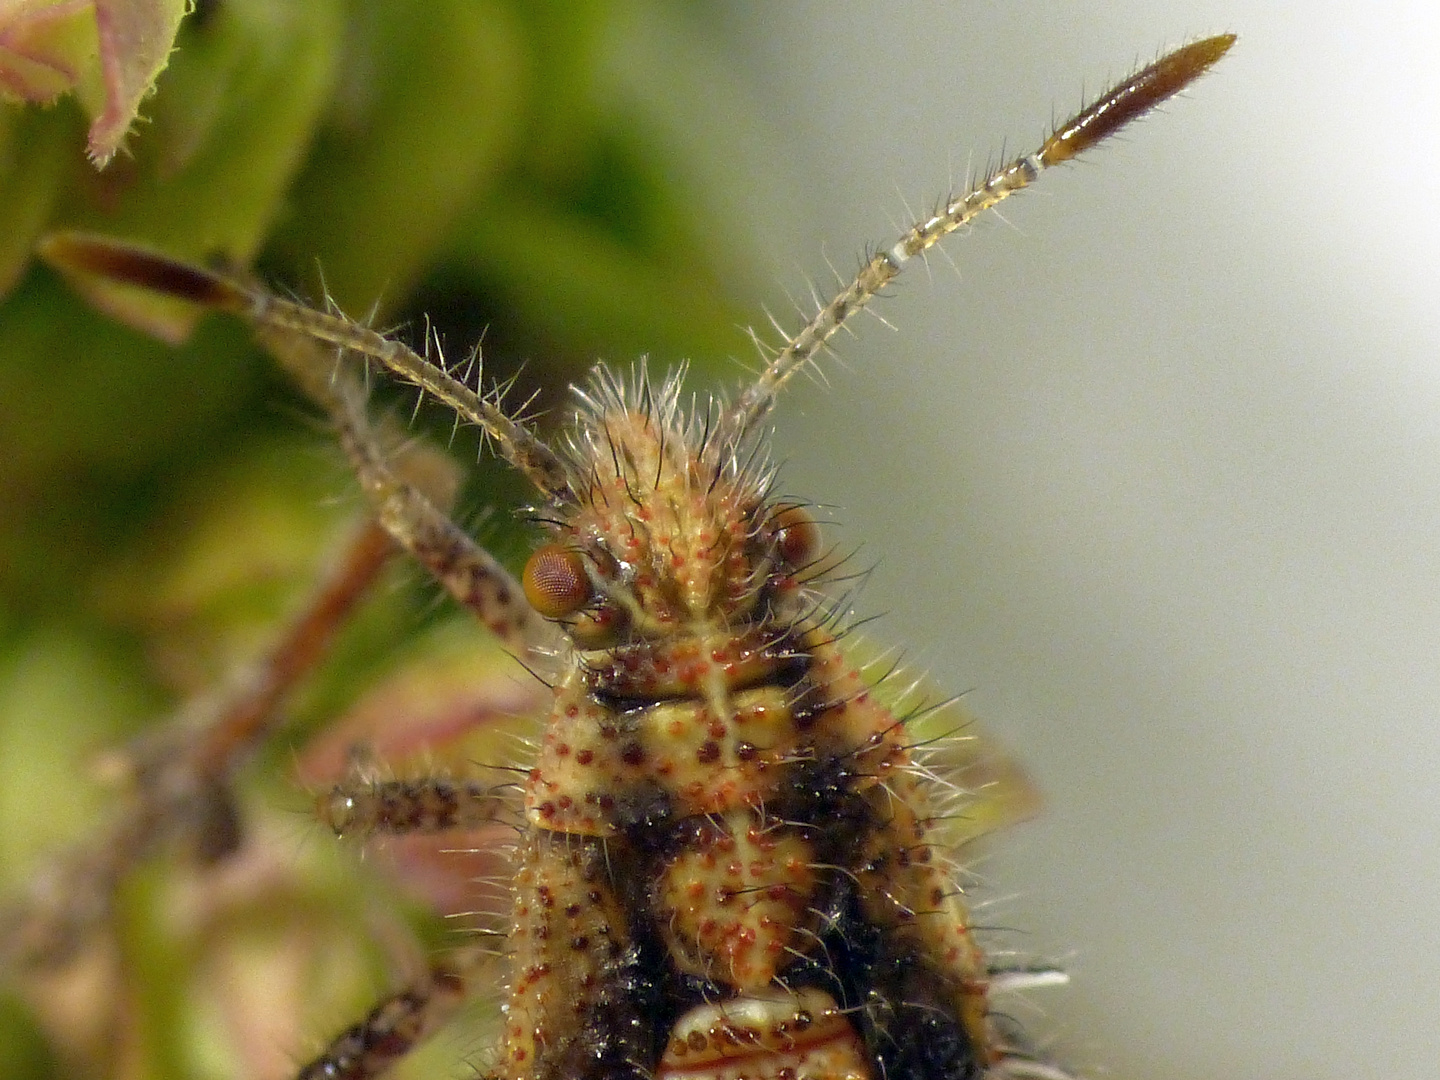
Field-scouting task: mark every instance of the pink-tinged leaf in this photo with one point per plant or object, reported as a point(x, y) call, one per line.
point(136, 37)
point(46, 48)
point(108, 52)
point(458, 710)
point(461, 703)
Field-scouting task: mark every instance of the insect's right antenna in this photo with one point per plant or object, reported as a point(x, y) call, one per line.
point(1132, 98)
point(127, 264)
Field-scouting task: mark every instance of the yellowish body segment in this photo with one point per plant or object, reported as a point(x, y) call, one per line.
point(721, 748)
point(800, 1036)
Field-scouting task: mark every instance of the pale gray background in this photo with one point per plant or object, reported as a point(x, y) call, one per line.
point(1157, 474)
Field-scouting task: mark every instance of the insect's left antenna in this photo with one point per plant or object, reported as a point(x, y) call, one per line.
point(1122, 103)
point(98, 257)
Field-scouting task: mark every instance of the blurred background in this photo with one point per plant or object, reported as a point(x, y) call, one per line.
point(1156, 473)
point(1149, 470)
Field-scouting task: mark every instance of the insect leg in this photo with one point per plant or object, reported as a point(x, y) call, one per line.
point(396, 1025)
point(359, 806)
point(583, 1005)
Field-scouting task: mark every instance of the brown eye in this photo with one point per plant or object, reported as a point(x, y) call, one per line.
point(797, 537)
point(555, 581)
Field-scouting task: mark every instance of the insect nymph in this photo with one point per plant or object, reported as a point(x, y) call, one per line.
point(729, 864)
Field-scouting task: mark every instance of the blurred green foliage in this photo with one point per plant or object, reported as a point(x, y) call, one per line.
point(162, 507)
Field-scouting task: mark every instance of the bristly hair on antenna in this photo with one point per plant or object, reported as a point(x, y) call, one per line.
point(1127, 101)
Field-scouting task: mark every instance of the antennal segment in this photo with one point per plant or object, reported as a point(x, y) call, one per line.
point(1123, 103)
point(129, 264)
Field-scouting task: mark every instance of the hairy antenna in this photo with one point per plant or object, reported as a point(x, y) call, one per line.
point(129, 264)
point(1132, 98)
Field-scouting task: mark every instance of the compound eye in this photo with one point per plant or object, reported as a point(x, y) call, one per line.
point(797, 537)
point(555, 581)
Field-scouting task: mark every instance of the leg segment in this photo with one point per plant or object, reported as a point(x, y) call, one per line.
point(583, 1004)
point(394, 1027)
